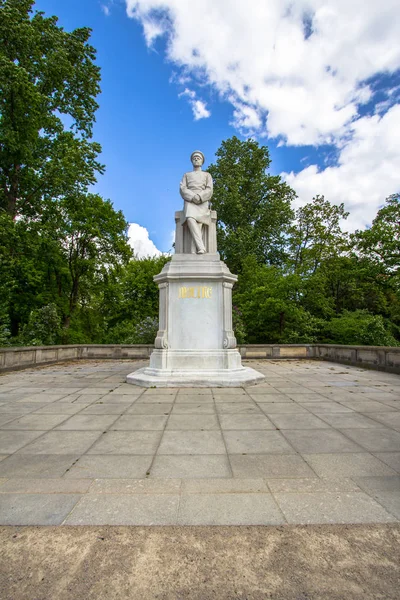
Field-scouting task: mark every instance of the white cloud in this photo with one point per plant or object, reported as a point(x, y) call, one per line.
point(140, 242)
point(105, 9)
point(301, 63)
point(367, 170)
point(200, 110)
point(199, 107)
point(187, 92)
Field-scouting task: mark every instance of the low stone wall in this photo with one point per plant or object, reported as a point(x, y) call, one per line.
point(21, 357)
point(277, 351)
point(383, 358)
point(375, 357)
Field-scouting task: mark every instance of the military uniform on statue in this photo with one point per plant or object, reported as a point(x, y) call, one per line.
point(195, 344)
point(196, 189)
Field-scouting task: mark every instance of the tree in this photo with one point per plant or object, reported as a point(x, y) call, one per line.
point(42, 328)
point(130, 297)
point(316, 235)
point(253, 206)
point(359, 328)
point(381, 242)
point(47, 78)
point(93, 237)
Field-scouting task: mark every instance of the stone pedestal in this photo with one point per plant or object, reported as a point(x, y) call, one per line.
point(195, 345)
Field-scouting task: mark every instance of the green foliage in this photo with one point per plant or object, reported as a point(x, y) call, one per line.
point(253, 206)
point(128, 332)
point(316, 235)
point(359, 328)
point(132, 295)
point(239, 326)
point(46, 76)
point(381, 242)
point(43, 327)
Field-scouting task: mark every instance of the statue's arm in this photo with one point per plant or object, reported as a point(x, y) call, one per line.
point(186, 193)
point(206, 194)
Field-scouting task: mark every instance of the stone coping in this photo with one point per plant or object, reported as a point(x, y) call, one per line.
point(376, 357)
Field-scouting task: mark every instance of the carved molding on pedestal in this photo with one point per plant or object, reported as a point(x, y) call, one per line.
point(229, 335)
point(161, 340)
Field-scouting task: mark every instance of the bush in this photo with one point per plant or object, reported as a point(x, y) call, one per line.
point(43, 327)
point(239, 325)
point(131, 333)
point(359, 327)
point(4, 334)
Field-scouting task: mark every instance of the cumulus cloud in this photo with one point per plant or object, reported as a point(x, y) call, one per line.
point(140, 241)
point(300, 72)
point(199, 107)
point(200, 110)
point(301, 63)
point(367, 170)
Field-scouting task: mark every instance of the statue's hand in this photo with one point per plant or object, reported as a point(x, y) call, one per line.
point(197, 199)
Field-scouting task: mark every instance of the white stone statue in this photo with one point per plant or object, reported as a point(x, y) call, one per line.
point(196, 189)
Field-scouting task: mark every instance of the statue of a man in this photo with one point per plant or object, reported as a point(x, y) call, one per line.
point(196, 189)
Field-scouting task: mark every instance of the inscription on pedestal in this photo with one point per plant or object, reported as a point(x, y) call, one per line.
point(195, 292)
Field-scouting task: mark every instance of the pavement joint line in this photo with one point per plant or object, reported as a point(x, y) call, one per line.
point(222, 433)
point(148, 472)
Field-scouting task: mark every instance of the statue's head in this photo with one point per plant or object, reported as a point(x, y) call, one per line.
point(197, 158)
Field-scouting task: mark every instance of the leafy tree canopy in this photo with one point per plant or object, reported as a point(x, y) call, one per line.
point(48, 78)
point(254, 207)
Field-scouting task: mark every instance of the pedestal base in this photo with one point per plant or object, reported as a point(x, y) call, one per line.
point(195, 368)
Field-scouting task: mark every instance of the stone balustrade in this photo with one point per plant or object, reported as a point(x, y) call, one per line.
point(375, 357)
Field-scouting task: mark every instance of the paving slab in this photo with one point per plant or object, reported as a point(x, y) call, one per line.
point(33, 466)
point(320, 441)
point(114, 466)
point(229, 509)
point(136, 486)
point(46, 486)
point(60, 442)
point(137, 509)
point(11, 441)
point(347, 465)
point(315, 443)
point(331, 507)
point(192, 422)
point(36, 509)
point(191, 466)
point(139, 423)
point(194, 409)
point(158, 408)
point(127, 442)
point(245, 421)
point(272, 465)
point(349, 421)
point(192, 442)
point(375, 440)
point(313, 485)
point(256, 442)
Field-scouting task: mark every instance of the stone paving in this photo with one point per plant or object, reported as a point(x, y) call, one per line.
point(315, 443)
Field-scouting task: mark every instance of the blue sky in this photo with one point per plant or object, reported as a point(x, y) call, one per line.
point(316, 81)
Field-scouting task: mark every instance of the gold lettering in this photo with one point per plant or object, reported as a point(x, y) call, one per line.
point(195, 292)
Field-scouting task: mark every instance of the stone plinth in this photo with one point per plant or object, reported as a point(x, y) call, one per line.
point(195, 344)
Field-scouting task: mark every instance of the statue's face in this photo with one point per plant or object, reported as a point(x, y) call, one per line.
point(197, 160)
